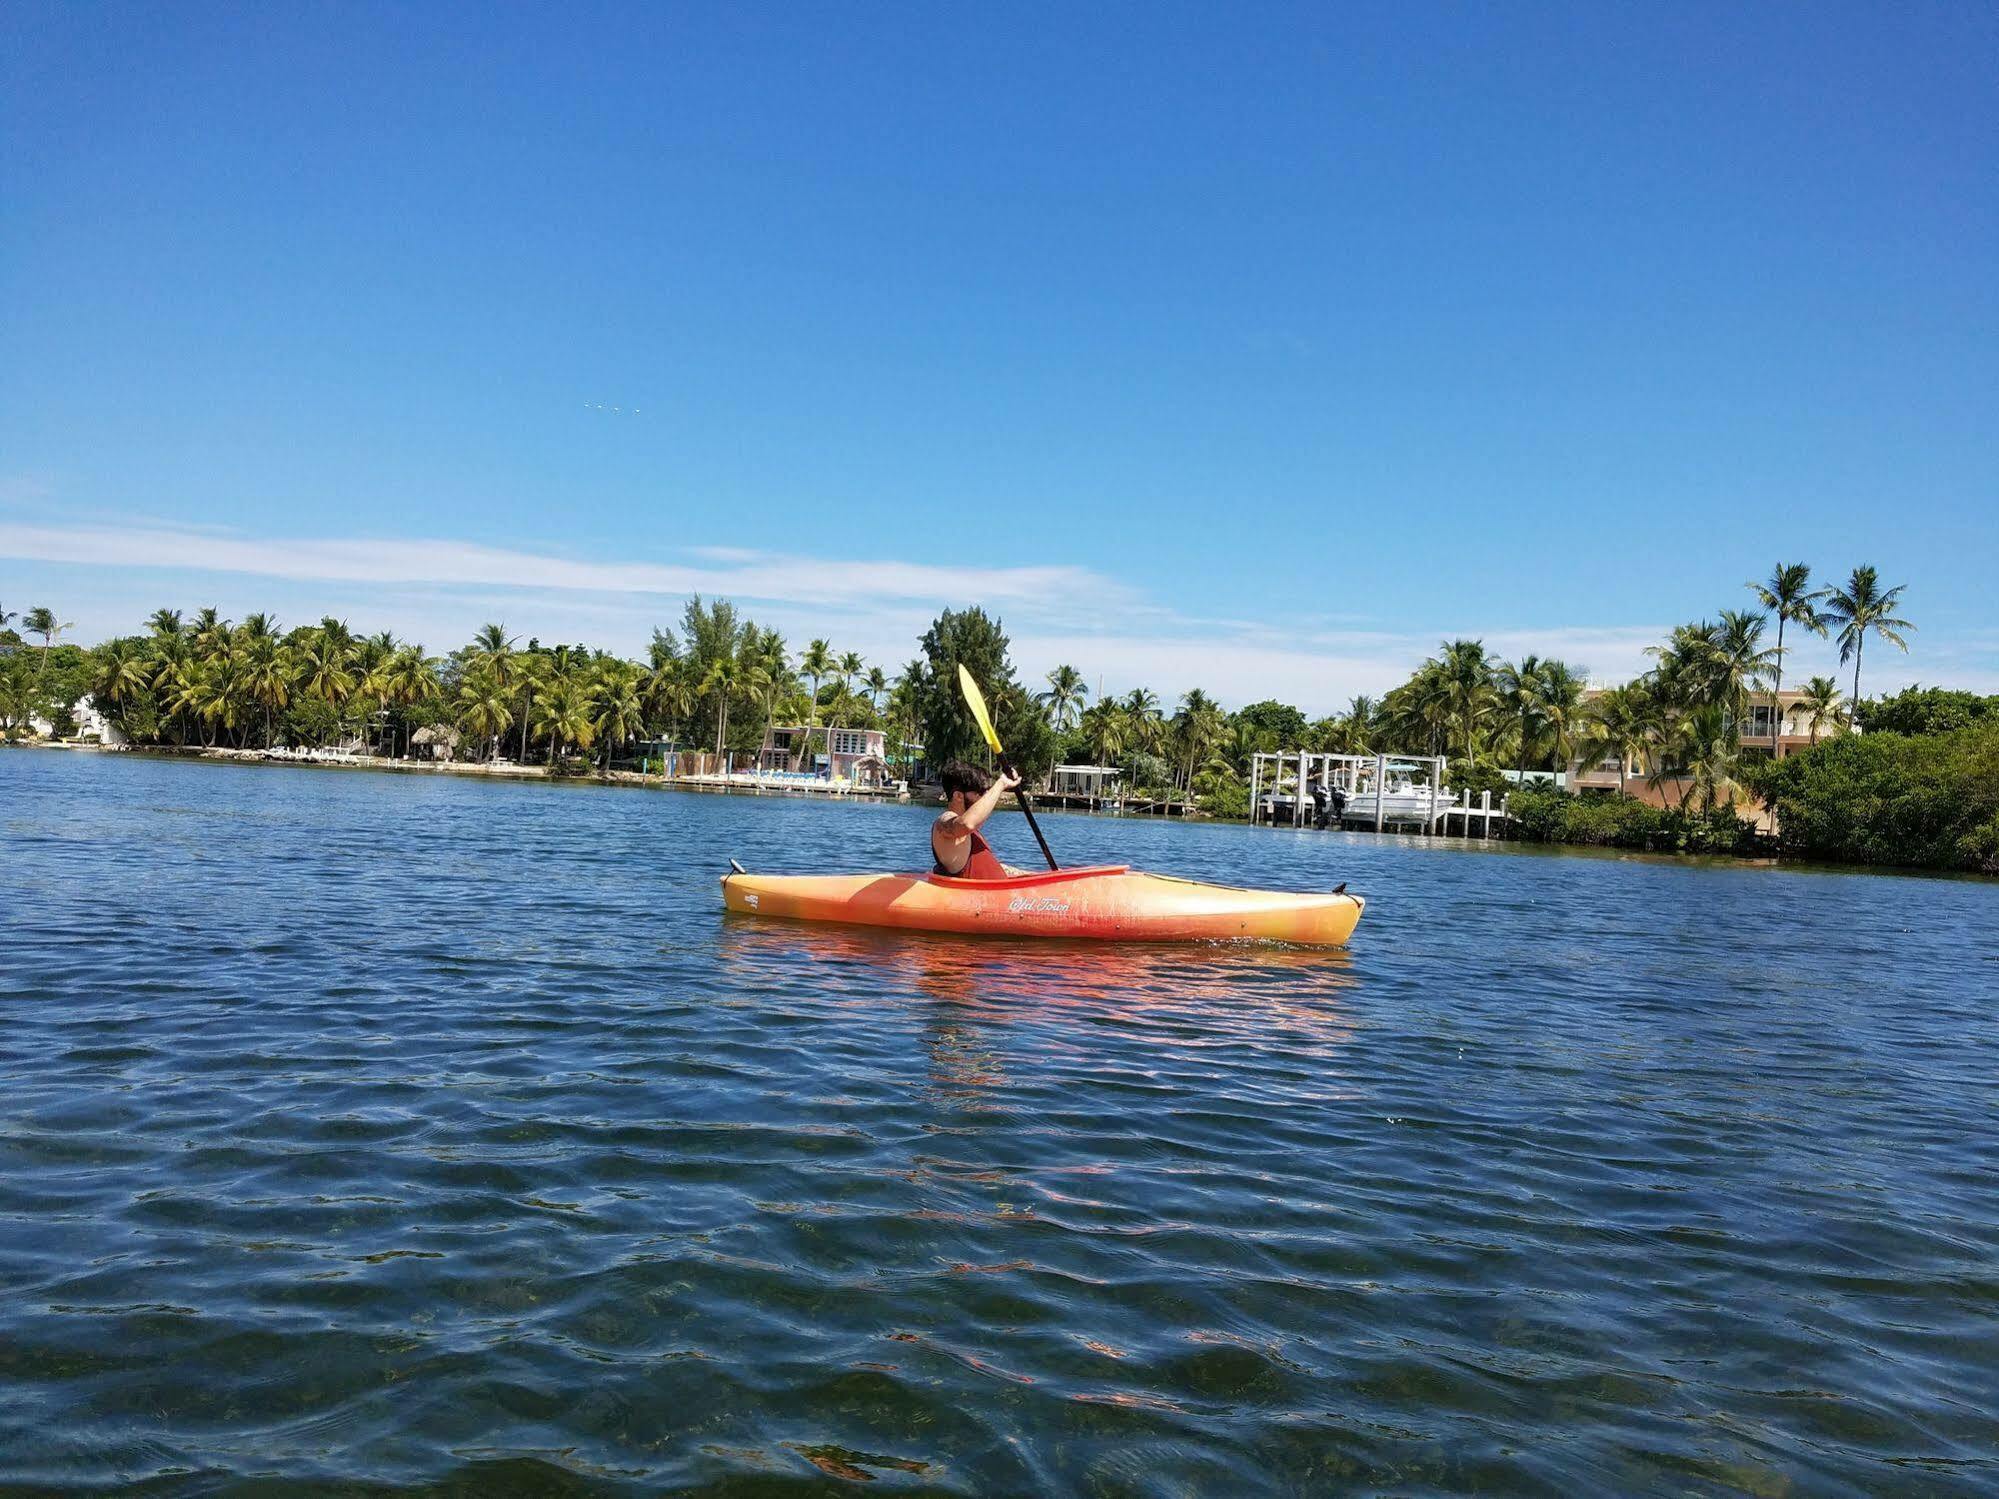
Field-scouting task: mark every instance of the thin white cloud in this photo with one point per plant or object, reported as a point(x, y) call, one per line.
point(439, 591)
point(742, 575)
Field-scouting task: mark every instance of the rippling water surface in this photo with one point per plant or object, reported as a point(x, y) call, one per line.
point(391, 1131)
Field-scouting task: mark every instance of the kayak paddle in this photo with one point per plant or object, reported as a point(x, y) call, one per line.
point(976, 701)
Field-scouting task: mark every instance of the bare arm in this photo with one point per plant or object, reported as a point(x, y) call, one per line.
point(956, 827)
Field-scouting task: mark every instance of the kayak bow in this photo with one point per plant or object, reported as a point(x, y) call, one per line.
point(1111, 903)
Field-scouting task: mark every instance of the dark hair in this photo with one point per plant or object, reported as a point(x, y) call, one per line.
point(958, 776)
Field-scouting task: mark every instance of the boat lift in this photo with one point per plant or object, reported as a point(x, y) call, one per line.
point(1278, 776)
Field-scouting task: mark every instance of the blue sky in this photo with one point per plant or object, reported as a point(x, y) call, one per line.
point(1249, 347)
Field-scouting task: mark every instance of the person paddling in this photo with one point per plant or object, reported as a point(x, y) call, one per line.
point(957, 846)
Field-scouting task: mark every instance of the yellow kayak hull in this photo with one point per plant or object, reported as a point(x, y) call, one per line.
point(1112, 903)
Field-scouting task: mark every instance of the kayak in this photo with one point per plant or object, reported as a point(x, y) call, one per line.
point(1112, 902)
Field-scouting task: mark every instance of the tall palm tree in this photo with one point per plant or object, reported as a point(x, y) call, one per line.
point(41, 621)
point(412, 679)
point(1064, 699)
point(1740, 662)
point(1706, 753)
point(267, 677)
point(1821, 704)
point(616, 715)
point(851, 666)
point(666, 692)
point(815, 665)
point(1789, 596)
point(1145, 724)
point(1200, 725)
point(1860, 609)
point(562, 712)
point(485, 707)
point(1617, 723)
point(122, 672)
point(1518, 684)
point(723, 678)
point(1468, 694)
point(877, 684)
point(1561, 708)
point(164, 623)
point(211, 632)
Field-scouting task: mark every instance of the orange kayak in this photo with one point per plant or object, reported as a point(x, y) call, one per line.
point(1112, 902)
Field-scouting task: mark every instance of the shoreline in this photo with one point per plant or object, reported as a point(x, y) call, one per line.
point(632, 780)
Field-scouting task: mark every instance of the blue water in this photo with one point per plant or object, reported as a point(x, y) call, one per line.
point(397, 1132)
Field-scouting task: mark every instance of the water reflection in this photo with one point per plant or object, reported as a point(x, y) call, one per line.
point(985, 1000)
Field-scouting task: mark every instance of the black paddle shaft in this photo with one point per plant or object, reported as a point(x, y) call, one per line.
point(1028, 807)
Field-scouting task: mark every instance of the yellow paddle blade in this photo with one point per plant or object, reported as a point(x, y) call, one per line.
point(976, 700)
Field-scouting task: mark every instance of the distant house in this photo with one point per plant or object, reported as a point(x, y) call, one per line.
point(856, 755)
point(1783, 725)
point(1093, 782)
point(92, 727)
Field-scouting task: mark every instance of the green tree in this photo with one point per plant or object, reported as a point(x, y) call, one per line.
point(973, 638)
point(1788, 596)
point(41, 620)
point(485, 706)
point(1618, 722)
point(616, 713)
point(1067, 692)
point(1860, 609)
point(1518, 685)
point(1821, 705)
point(722, 679)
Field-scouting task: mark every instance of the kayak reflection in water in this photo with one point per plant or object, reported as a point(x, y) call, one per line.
point(956, 845)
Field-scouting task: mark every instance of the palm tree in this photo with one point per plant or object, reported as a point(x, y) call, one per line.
point(1790, 597)
point(1467, 690)
point(665, 691)
point(723, 678)
point(412, 679)
point(1821, 704)
point(267, 677)
point(850, 667)
point(1740, 662)
point(485, 707)
point(562, 712)
point(1107, 730)
point(814, 665)
point(1144, 722)
point(322, 658)
point(1561, 708)
point(492, 649)
point(1200, 725)
point(616, 714)
point(1519, 687)
point(1861, 608)
point(877, 685)
point(1618, 723)
point(1064, 699)
point(122, 672)
point(164, 623)
point(211, 632)
point(41, 621)
point(1706, 752)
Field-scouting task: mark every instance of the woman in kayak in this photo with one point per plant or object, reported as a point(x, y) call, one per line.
point(957, 845)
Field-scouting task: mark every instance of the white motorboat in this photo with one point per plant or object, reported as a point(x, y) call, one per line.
point(1406, 800)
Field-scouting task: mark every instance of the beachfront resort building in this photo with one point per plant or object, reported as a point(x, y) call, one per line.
point(1780, 727)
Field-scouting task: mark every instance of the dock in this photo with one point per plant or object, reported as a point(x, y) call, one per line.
point(1376, 792)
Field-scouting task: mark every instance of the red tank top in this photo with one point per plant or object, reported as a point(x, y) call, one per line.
point(981, 864)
